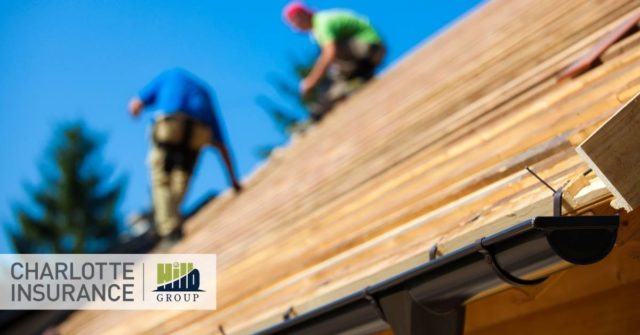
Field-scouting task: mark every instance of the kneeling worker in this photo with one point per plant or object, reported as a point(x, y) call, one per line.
point(186, 122)
point(351, 51)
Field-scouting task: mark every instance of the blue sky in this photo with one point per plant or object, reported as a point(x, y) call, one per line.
point(82, 60)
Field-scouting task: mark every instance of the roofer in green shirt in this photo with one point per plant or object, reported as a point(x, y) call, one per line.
point(351, 51)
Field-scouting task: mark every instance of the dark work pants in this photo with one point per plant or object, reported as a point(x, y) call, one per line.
point(354, 65)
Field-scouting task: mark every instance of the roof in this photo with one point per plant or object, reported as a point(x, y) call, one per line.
point(433, 152)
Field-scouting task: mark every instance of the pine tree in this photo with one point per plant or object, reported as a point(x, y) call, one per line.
point(289, 116)
point(73, 210)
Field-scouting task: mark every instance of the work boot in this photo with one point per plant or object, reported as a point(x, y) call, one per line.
point(176, 235)
point(169, 241)
point(336, 92)
point(301, 127)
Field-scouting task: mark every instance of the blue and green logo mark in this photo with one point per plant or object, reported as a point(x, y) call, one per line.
point(177, 277)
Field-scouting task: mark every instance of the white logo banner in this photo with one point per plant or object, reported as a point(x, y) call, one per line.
point(108, 281)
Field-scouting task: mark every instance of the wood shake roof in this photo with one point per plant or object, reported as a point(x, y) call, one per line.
point(433, 151)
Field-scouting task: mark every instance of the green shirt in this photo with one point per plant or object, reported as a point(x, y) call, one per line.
point(333, 25)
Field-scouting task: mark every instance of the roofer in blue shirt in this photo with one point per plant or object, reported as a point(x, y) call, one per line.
point(185, 123)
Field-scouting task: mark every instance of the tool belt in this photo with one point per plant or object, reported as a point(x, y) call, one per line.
point(180, 131)
point(180, 137)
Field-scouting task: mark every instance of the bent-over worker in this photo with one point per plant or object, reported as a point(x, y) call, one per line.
point(351, 50)
point(185, 123)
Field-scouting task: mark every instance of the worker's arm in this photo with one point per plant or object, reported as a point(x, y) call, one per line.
point(226, 157)
point(327, 56)
point(146, 96)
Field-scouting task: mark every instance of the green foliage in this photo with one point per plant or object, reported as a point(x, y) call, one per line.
point(73, 210)
point(283, 119)
point(290, 115)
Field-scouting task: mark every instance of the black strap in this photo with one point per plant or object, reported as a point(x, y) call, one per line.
point(557, 202)
point(502, 273)
point(374, 303)
point(178, 155)
point(187, 132)
point(289, 314)
point(178, 158)
point(433, 252)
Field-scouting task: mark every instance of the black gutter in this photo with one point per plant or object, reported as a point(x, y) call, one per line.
point(430, 298)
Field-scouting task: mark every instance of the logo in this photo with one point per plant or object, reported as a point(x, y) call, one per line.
point(178, 277)
point(107, 282)
point(175, 281)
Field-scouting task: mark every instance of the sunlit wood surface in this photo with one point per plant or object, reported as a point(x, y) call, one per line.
point(433, 151)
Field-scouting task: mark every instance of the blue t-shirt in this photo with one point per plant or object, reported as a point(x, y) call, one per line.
point(177, 90)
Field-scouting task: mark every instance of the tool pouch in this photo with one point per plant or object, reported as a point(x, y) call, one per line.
point(181, 131)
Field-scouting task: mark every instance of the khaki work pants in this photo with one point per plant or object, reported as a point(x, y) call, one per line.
point(354, 65)
point(171, 161)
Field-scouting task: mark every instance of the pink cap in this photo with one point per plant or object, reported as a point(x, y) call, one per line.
point(293, 8)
